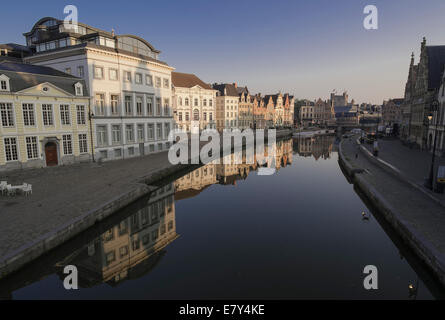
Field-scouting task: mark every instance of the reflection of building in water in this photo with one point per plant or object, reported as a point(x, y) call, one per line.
point(196, 181)
point(227, 172)
point(132, 247)
point(321, 146)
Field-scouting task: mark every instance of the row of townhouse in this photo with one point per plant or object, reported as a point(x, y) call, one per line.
point(96, 95)
point(423, 107)
point(237, 108)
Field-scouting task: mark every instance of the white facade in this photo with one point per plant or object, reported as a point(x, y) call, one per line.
point(227, 112)
point(194, 108)
point(132, 113)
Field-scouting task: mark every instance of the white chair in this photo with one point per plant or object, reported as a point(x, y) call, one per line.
point(27, 189)
point(10, 191)
point(3, 185)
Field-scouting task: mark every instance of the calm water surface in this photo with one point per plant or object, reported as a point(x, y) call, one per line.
point(223, 231)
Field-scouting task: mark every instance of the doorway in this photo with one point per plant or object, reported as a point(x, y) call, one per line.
point(51, 154)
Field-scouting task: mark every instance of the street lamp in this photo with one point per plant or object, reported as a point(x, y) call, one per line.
point(434, 107)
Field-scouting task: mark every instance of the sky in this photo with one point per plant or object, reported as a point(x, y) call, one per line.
point(306, 48)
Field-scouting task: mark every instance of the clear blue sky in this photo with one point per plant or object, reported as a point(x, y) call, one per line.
point(306, 48)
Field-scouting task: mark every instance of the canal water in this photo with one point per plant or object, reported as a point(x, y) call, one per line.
point(225, 231)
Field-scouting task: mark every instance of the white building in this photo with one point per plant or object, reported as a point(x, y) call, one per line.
point(131, 88)
point(193, 103)
point(227, 102)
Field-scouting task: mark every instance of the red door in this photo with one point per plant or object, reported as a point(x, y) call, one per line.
point(51, 154)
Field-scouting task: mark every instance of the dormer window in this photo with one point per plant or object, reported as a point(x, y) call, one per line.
point(4, 83)
point(79, 89)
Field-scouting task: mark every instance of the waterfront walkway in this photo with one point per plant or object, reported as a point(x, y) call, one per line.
point(413, 163)
point(63, 193)
point(418, 219)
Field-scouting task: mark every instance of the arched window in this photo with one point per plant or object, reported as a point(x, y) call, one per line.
point(186, 101)
point(196, 115)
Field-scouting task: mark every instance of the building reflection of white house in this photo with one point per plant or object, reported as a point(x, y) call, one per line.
point(132, 247)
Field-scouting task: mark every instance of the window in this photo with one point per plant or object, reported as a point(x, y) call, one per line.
point(129, 132)
point(145, 239)
point(128, 105)
point(83, 145)
point(166, 83)
point(141, 135)
point(4, 85)
point(79, 89)
point(149, 106)
point(152, 148)
point(196, 115)
point(28, 114)
point(68, 70)
point(158, 107)
point(98, 72)
point(47, 113)
point(31, 147)
point(123, 251)
point(131, 151)
point(166, 129)
point(159, 131)
point(127, 76)
point(116, 133)
point(180, 116)
point(196, 102)
point(102, 139)
point(114, 98)
point(7, 114)
point(80, 71)
point(210, 116)
point(187, 116)
point(80, 115)
point(135, 244)
point(117, 153)
point(103, 154)
point(205, 116)
point(138, 78)
point(166, 107)
point(149, 80)
point(139, 110)
point(186, 102)
point(110, 257)
point(158, 82)
point(100, 104)
point(210, 102)
point(11, 149)
point(65, 114)
point(67, 144)
point(113, 74)
point(151, 132)
point(159, 146)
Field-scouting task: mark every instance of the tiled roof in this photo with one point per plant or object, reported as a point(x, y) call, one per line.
point(230, 89)
point(22, 76)
point(188, 80)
